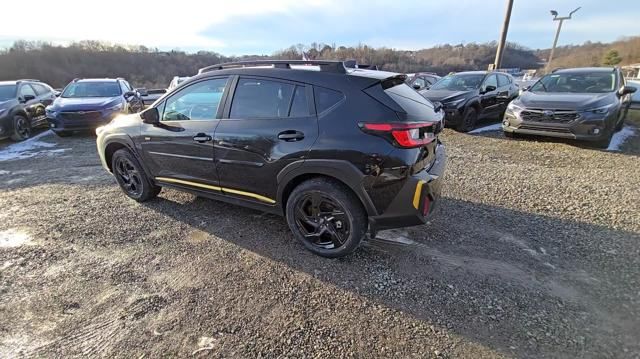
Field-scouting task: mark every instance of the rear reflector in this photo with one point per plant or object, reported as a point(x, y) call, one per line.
point(406, 135)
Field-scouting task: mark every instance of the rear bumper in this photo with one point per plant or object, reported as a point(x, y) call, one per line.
point(418, 199)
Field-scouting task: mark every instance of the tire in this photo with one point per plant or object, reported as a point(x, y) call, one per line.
point(469, 119)
point(21, 128)
point(620, 125)
point(335, 226)
point(131, 177)
point(63, 133)
point(511, 134)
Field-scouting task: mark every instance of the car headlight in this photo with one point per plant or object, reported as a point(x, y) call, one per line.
point(117, 107)
point(514, 107)
point(601, 110)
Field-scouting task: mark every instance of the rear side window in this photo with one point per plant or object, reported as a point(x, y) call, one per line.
point(326, 98)
point(257, 98)
point(503, 80)
point(299, 104)
point(40, 89)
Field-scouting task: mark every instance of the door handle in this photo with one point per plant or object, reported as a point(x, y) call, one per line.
point(202, 138)
point(291, 135)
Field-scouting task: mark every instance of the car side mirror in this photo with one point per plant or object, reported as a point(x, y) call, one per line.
point(526, 88)
point(151, 116)
point(489, 88)
point(142, 91)
point(129, 94)
point(416, 86)
point(57, 93)
point(27, 98)
point(625, 90)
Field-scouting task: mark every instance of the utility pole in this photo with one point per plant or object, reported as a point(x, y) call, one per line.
point(503, 36)
point(555, 40)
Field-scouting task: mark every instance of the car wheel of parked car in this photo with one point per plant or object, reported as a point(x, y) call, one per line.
point(21, 128)
point(469, 120)
point(63, 133)
point(326, 217)
point(620, 125)
point(131, 177)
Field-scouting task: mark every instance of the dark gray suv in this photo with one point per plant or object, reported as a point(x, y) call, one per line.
point(583, 103)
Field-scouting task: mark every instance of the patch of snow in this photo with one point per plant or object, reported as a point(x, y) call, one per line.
point(3, 172)
point(12, 238)
point(620, 137)
point(494, 127)
point(29, 148)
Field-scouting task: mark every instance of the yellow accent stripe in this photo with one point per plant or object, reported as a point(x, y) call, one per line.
point(189, 183)
point(416, 196)
point(216, 188)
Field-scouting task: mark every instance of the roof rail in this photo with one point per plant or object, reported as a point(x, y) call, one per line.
point(353, 64)
point(31, 80)
point(556, 69)
point(328, 66)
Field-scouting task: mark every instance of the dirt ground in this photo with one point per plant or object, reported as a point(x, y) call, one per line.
point(535, 253)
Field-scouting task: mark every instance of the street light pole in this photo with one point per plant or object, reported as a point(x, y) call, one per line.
point(503, 36)
point(555, 40)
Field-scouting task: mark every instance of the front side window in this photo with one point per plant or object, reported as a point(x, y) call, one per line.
point(92, 89)
point(420, 82)
point(491, 81)
point(257, 98)
point(199, 101)
point(582, 82)
point(26, 90)
point(503, 80)
point(41, 89)
point(123, 87)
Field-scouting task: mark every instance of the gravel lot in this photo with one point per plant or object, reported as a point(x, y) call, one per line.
point(535, 253)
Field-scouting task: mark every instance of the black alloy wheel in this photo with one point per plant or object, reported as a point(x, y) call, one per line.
point(327, 217)
point(21, 128)
point(131, 177)
point(469, 119)
point(322, 221)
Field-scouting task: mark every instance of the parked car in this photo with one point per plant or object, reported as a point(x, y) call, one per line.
point(339, 152)
point(22, 107)
point(582, 103)
point(471, 96)
point(422, 80)
point(150, 96)
point(86, 104)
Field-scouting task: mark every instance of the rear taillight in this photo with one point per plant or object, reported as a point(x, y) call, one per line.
point(405, 135)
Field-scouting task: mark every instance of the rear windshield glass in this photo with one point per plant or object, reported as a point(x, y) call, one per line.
point(409, 99)
point(92, 89)
point(7, 92)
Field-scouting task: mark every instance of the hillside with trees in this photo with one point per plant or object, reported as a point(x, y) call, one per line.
point(146, 67)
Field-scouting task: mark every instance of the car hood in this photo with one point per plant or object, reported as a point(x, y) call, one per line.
point(565, 101)
point(7, 104)
point(445, 96)
point(84, 103)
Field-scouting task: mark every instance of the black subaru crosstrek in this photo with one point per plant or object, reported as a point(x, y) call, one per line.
point(587, 104)
point(22, 104)
point(471, 96)
point(339, 152)
point(86, 104)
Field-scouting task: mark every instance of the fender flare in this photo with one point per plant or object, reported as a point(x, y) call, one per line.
point(341, 170)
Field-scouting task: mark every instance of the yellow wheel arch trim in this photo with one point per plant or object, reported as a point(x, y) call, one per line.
point(416, 195)
point(216, 188)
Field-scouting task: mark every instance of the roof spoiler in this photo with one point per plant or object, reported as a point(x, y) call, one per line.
point(327, 66)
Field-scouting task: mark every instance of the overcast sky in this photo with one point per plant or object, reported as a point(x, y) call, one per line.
point(262, 27)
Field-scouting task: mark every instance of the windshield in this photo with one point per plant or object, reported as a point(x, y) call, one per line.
point(92, 89)
point(459, 82)
point(7, 92)
point(588, 82)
